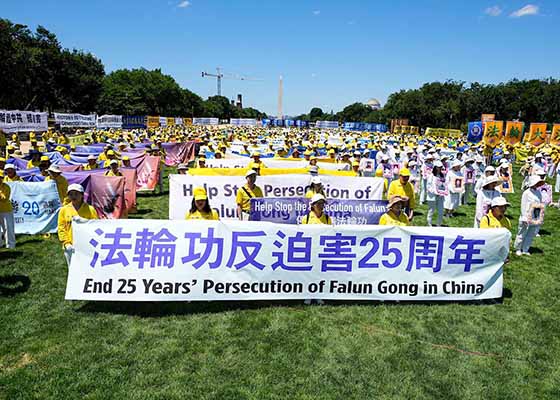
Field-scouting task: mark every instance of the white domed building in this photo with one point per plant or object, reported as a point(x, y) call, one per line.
point(374, 104)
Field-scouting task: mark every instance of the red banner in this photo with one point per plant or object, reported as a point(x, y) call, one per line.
point(131, 178)
point(148, 173)
point(178, 153)
point(106, 195)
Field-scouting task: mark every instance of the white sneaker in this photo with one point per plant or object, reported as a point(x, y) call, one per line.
point(526, 253)
point(518, 253)
point(538, 235)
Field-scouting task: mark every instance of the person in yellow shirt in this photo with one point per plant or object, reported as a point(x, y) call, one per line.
point(10, 174)
point(200, 207)
point(76, 208)
point(317, 216)
point(91, 163)
point(356, 168)
point(55, 174)
point(395, 214)
point(402, 187)
point(246, 193)
point(126, 162)
point(7, 228)
point(316, 187)
point(44, 165)
point(35, 159)
point(113, 169)
point(496, 217)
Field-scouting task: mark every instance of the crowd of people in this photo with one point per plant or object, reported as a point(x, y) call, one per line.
point(443, 173)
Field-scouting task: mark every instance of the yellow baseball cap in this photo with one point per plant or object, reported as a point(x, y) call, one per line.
point(44, 158)
point(404, 172)
point(126, 158)
point(200, 193)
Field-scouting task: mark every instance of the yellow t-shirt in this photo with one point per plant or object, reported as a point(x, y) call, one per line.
point(312, 219)
point(62, 187)
point(5, 203)
point(390, 218)
point(244, 200)
point(213, 215)
point(65, 216)
point(16, 178)
point(489, 221)
point(88, 167)
point(33, 164)
point(397, 189)
point(111, 173)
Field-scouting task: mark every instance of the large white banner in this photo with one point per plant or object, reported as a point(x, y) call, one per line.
point(153, 260)
point(109, 121)
point(223, 189)
point(75, 120)
point(23, 121)
point(205, 121)
point(243, 162)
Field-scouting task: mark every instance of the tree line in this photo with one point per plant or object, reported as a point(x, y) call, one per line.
point(453, 104)
point(37, 73)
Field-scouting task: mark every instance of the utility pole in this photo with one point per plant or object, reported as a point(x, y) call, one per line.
point(280, 94)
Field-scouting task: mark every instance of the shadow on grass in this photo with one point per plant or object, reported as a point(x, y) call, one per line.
point(14, 284)
point(535, 250)
point(11, 254)
point(140, 212)
point(151, 194)
point(544, 232)
point(165, 309)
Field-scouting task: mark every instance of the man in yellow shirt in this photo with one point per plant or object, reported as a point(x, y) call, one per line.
point(35, 159)
point(91, 163)
point(55, 174)
point(317, 216)
point(402, 187)
point(7, 228)
point(10, 174)
point(496, 217)
point(113, 169)
point(395, 214)
point(246, 193)
point(200, 207)
point(76, 208)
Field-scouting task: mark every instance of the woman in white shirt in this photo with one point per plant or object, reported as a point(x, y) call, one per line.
point(436, 187)
point(455, 188)
point(531, 217)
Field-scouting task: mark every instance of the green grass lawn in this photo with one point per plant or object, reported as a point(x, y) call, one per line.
point(56, 349)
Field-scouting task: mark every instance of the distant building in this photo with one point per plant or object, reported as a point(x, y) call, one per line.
point(374, 104)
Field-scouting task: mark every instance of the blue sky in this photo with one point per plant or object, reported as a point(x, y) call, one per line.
point(330, 53)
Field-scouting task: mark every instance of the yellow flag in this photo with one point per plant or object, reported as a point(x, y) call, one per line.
point(170, 121)
point(514, 132)
point(537, 134)
point(555, 135)
point(153, 122)
point(493, 132)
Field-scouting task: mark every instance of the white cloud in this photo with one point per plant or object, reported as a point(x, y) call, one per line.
point(493, 11)
point(184, 4)
point(316, 12)
point(529, 9)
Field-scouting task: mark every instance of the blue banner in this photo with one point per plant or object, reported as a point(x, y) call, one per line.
point(292, 210)
point(475, 132)
point(36, 206)
point(134, 122)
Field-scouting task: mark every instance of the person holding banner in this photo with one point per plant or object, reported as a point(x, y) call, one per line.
point(436, 188)
point(317, 216)
point(55, 174)
point(395, 214)
point(182, 169)
point(315, 188)
point(113, 169)
point(91, 163)
point(402, 187)
point(10, 174)
point(76, 208)
point(126, 162)
point(200, 207)
point(246, 193)
point(496, 217)
point(531, 217)
point(35, 159)
point(7, 226)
